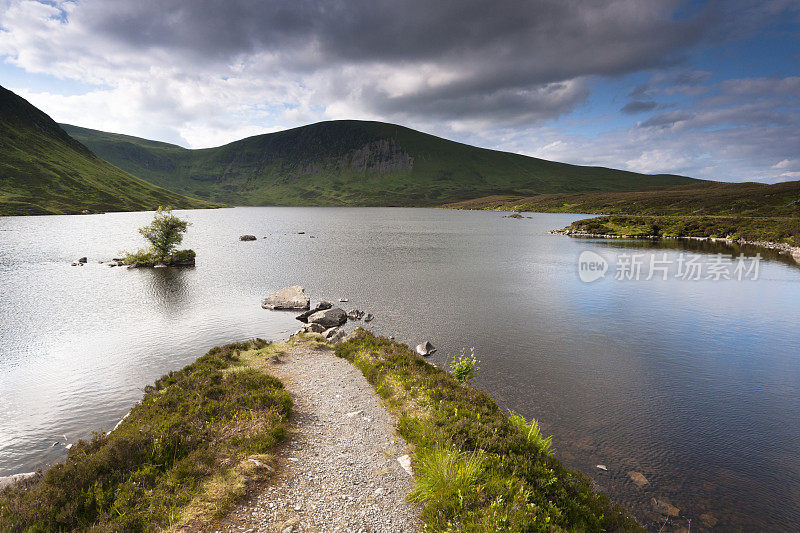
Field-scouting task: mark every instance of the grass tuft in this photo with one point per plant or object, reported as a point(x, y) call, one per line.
point(532, 432)
point(449, 477)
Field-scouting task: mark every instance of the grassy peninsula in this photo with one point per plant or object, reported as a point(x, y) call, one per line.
point(477, 468)
point(204, 436)
point(752, 212)
point(184, 455)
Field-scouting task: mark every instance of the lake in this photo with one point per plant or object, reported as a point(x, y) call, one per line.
point(693, 383)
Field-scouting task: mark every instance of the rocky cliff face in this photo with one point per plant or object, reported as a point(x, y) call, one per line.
point(381, 157)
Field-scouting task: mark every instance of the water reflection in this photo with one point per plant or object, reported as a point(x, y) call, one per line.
point(167, 287)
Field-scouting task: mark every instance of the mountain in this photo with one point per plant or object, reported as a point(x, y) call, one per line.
point(349, 162)
point(45, 171)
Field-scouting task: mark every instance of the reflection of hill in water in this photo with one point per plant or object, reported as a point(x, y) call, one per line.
point(697, 246)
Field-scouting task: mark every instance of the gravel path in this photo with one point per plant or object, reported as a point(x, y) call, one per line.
point(340, 470)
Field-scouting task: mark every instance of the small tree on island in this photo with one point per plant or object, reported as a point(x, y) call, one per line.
point(165, 233)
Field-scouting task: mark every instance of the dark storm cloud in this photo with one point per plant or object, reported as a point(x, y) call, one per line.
point(638, 106)
point(506, 57)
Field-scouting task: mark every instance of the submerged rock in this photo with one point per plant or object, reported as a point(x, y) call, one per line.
point(329, 317)
point(293, 297)
point(638, 478)
point(426, 348)
point(247, 237)
point(708, 519)
point(664, 508)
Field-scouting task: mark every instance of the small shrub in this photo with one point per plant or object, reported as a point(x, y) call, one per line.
point(139, 256)
point(448, 477)
point(532, 432)
point(464, 368)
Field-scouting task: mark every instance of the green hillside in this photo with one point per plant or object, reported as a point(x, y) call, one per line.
point(754, 212)
point(45, 171)
point(699, 199)
point(351, 163)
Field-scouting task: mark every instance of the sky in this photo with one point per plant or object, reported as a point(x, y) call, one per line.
point(709, 89)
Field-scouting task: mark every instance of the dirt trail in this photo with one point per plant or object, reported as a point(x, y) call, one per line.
point(339, 471)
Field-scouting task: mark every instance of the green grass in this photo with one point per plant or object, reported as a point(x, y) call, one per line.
point(749, 211)
point(700, 199)
point(180, 457)
point(351, 162)
point(776, 230)
point(45, 171)
point(476, 468)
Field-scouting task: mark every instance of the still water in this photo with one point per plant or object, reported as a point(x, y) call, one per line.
point(695, 384)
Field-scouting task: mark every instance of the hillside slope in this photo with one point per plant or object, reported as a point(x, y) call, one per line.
point(45, 171)
point(699, 199)
point(352, 162)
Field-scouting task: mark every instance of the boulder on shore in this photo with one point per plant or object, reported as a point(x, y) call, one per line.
point(334, 335)
point(329, 317)
point(247, 238)
point(425, 349)
point(303, 317)
point(293, 297)
point(10, 480)
point(313, 328)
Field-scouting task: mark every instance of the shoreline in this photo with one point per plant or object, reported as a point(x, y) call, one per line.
point(782, 248)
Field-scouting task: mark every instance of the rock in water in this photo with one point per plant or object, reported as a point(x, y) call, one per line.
point(329, 318)
point(368, 318)
point(303, 317)
point(708, 519)
point(247, 237)
point(355, 314)
point(82, 260)
point(664, 508)
point(638, 478)
point(293, 297)
point(426, 348)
